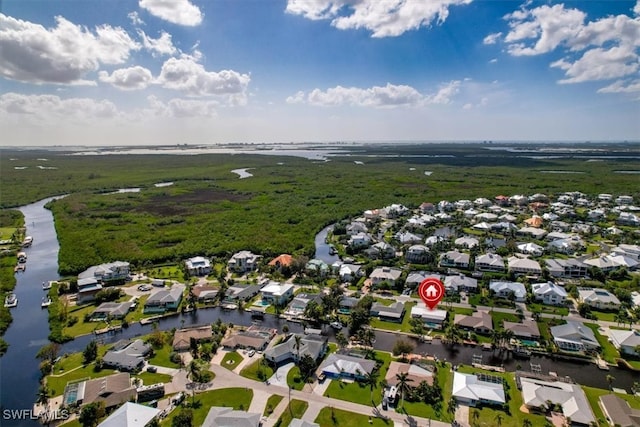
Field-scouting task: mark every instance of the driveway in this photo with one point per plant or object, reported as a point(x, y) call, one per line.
point(279, 378)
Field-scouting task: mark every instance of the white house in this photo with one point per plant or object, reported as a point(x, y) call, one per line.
point(598, 298)
point(359, 240)
point(466, 242)
point(524, 266)
point(490, 262)
point(530, 248)
point(454, 259)
point(243, 262)
point(627, 342)
point(418, 254)
point(432, 318)
point(118, 270)
point(385, 274)
point(198, 266)
point(549, 293)
point(348, 272)
point(506, 289)
point(574, 336)
point(460, 282)
point(537, 393)
point(470, 390)
point(277, 293)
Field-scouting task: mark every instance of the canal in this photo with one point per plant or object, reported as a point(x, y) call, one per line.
point(19, 377)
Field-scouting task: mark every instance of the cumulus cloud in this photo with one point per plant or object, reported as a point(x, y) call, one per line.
point(163, 45)
point(492, 38)
point(603, 49)
point(64, 54)
point(180, 12)
point(622, 86)
point(53, 108)
point(185, 74)
point(388, 96)
point(384, 18)
point(181, 108)
point(134, 78)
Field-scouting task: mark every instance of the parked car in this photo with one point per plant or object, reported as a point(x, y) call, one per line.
point(144, 288)
point(152, 369)
point(251, 353)
point(336, 325)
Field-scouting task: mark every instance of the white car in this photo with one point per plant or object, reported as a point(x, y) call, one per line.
point(336, 325)
point(251, 353)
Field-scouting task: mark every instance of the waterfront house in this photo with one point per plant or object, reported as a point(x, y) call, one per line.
point(243, 262)
point(113, 390)
point(126, 355)
point(515, 290)
point(536, 395)
point(627, 342)
point(527, 329)
point(432, 318)
point(312, 344)
point(385, 274)
point(598, 298)
point(490, 262)
point(299, 304)
point(618, 411)
point(219, 416)
point(356, 227)
point(111, 310)
point(198, 266)
point(415, 373)
point(460, 283)
point(182, 337)
point(479, 322)
point(340, 366)
point(317, 267)
point(130, 415)
point(472, 390)
point(359, 240)
point(549, 293)
point(87, 289)
point(241, 292)
point(390, 313)
point(454, 259)
point(347, 304)
point(574, 336)
point(163, 300)
point(117, 271)
point(277, 293)
point(205, 293)
point(255, 338)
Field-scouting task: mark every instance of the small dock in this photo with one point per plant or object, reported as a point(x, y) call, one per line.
point(602, 364)
point(488, 367)
point(108, 329)
point(20, 267)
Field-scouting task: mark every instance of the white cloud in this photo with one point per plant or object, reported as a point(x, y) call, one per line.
point(64, 55)
point(181, 12)
point(492, 38)
point(384, 18)
point(636, 8)
point(133, 78)
point(163, 45)
point(602, 49)
point(180, 108)
point(493, 60)
point(621, 86)
point(185, 74)
point(51, 108)
point(135, 19)
point(377, 96)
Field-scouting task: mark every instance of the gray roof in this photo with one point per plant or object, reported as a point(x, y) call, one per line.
point(116, 309)
point(574, 331)
point(311, 344)
point(165, 296)
point(242, 292)
point(126, 355)
point(219, 416)
point(394, 310)
point(570, 397)
point(619, 411)
point(526, 329)
point(338, 363)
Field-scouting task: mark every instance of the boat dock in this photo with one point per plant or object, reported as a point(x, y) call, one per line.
point(107, 330)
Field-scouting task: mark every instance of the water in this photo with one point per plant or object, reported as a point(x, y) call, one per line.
point(243, 173)
point(19, 377)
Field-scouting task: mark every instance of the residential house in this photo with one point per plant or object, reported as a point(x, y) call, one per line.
point(624, 200)
point(130, 415)
point(460, 283)
point(454, 259)
point(574, 336)
point(182, 337)
point(466, 242)
point(536, 395)
point(530, 248)
point(407, 238)
point(241, 292)
point(608, 263)
point(359, 240)
point(567, 246)
point(381, 250)
point(618, 411)
point(255, 338)
point(414, 278)
point(628, 218)
point(415, 373)
point(356, 227)
point(347, 304)
point(111, 310)
point(490, 262)
point(205, 293)
point(385, 274)
point(87, 290)
point(535, 221)
point(219, 416)
point(514, 290)
point(527, 329)
point(113, 390)
point(471, 390)
point(432, 318)
point(427, 207)
point(418, 254)
point(349, 272)
point(631, 251)
point(163, 300)
point(567, 268)
point(341, 366)
point(390, 313)
point(549, 293)
point(312, 344)
point(243, 262)
point(394, 210)
point(479, 322)
point(299, 304)
point(598, 298)
point(277, 293)
point(627, 342)
point(198, 266)
point(126, 355)
point(317, 267)
point(524, 266)
point(109, 272)
point(283, 260)
point(536, 233)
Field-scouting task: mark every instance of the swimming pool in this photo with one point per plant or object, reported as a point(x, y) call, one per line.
point(529, 343)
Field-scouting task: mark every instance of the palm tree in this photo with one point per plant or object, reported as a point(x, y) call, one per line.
point(341, 340)
point(506, 336)
point(371, 380)
point(610, 379)
point(43, 395)
point(451, 406)
point(475, 417)
point(194, 374)
point(452, 334)
point(367, 336)
point(403, 384)
point(498, 419)
point(297, 345)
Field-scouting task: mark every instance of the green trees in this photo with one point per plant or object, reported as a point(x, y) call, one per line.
point(91, 414)
point(403, 385)
point(90, 352)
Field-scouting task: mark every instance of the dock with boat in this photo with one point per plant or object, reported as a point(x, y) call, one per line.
point(11, 301)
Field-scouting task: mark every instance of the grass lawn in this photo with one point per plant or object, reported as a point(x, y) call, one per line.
point(394, 326)
point(237, 398)
point(161, 357)
point(153, 378)
point(421, 409)
point(294, 380)
point(462, 310)
point(74, 423)
point(607, 316)
point(329, 417)
point(273, 401)
point(561, 311)
point(295, 409)
point(254, 370)
point(499, 317)
point(357, 392)
point(231, 360)
point(609, 352)
point(514, 417)
point(593, 396)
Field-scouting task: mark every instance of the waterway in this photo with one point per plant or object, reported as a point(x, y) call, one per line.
point(19, 377)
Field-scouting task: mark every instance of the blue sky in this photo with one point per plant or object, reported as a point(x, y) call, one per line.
point(89, 72)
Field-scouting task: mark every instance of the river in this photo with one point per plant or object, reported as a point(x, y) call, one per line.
point(19, 377)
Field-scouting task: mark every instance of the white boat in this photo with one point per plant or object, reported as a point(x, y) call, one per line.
point(27, 242)
point(46, 302)
point(11, 300)
point(46, 285)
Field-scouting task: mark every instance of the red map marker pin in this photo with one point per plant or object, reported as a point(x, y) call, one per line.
point(431, 291)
